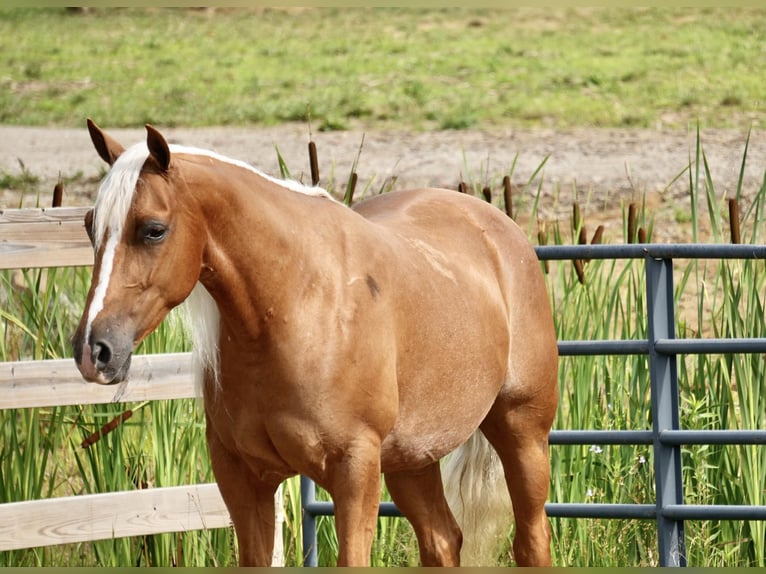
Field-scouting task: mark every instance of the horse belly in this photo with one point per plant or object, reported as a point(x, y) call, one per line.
point(445, 421)
point(447, 387)
point(404, 450)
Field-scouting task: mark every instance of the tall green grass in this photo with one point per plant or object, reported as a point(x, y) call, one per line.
point(716, 392)
point(727, 391)
point(163, 443)
point(602, 392)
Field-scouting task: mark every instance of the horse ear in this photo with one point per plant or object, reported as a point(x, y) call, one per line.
point(108, 149)
point(158, 147)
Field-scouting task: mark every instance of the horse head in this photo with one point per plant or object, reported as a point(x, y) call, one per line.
point(148, 253)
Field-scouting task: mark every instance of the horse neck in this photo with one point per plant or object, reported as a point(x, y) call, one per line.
point(256, 241)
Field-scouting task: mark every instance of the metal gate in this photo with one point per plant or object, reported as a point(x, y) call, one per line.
point(665, 436)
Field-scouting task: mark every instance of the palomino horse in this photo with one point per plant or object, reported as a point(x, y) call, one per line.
point(337, 343)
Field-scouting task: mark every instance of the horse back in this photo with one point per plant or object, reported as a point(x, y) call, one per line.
point(464, 239)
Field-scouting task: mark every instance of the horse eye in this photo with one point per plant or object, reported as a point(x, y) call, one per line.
point(153, 232)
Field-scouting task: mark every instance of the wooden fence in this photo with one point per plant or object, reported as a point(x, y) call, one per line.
point(56, 237)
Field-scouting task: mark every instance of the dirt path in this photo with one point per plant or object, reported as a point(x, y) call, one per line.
point(608, 166)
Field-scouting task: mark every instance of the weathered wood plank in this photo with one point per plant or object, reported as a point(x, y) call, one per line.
point(34, 254)
point(53, 237)
point(104, 516)
point(43, 214)
point(28, 384)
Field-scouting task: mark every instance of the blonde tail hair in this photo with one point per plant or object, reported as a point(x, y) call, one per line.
point(474, 484)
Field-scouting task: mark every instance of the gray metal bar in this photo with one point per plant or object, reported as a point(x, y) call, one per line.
point(599, 510)
point(629, 437)
point(666, 346)
point(709, 346)
point(578, 510)
point(679, 437)
point(666, 437)
point(651, 250)
point(326, 508)
point(308, 522)
point(604, 347)
point(664, 393)
point(714, 511)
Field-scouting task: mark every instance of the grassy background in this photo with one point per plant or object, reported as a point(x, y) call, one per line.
point(381, 68)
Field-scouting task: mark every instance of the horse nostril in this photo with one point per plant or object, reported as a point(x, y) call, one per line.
point(101, 354)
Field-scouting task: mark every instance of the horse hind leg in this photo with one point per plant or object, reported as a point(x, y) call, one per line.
point(519, 434)
point(420, 497)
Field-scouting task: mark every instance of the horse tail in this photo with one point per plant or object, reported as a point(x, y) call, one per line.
point(475, 487)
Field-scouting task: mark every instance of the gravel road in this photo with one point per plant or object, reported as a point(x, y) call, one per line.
point(606, 165)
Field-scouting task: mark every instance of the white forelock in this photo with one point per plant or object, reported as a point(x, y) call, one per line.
point(116, 191)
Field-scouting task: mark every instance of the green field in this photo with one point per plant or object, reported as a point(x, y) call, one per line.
point(381, 68)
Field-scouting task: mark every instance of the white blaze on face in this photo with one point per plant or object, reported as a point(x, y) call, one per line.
point(99, 293)
point(115, 196)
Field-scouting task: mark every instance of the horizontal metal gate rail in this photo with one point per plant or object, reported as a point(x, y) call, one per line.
point(665, 436)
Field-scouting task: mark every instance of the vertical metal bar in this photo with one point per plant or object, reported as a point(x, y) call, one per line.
point(664, 391)
point(308, 522)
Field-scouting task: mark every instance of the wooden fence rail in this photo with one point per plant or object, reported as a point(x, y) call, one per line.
point(52, 237)
point(113, 515)
point(56, 238)
point(57, 382)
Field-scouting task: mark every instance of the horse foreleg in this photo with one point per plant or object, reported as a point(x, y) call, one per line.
point(354, 483)
point(420, 496)
point(250, 502)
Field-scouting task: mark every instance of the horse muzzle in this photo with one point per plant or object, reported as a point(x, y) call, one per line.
point(102, 359)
